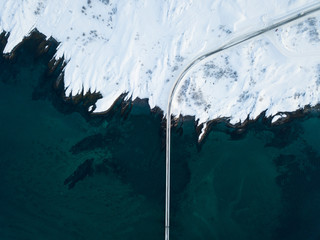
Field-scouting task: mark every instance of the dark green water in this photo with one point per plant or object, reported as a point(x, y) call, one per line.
point(262, 184)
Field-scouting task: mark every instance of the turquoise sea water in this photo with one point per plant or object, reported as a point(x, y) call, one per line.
point(66, 175)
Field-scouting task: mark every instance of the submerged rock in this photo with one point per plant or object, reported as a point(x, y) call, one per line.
point(84, 170)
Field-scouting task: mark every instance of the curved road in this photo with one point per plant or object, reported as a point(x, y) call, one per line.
point(235, 41)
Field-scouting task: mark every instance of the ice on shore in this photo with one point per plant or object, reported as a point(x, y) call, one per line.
point(141, 47)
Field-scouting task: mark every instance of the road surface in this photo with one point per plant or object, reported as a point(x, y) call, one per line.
point(233, 42)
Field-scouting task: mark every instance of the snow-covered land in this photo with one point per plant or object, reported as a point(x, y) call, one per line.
point(140, 47)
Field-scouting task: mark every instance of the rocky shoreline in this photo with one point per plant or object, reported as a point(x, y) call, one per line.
point(84, 103)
